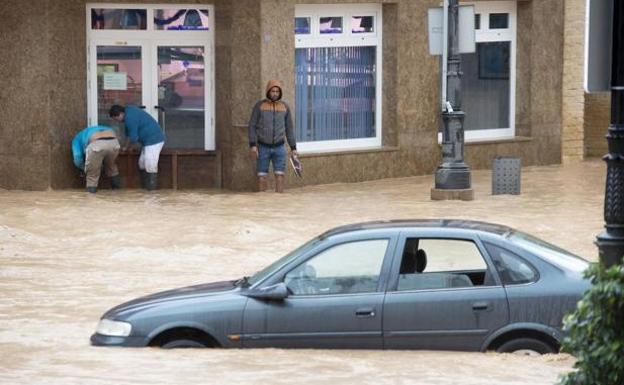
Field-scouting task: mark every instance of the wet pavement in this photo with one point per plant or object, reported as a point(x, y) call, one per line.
point(66, 257)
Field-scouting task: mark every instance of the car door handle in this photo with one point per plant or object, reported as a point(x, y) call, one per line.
point(480, 306)
point(365, 312)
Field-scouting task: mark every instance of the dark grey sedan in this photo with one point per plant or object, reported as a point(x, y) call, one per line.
point(421, 284)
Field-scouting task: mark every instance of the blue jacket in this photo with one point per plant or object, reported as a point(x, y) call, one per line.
point(81, 141)
point(141, 127)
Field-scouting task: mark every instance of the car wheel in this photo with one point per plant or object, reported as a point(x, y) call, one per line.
point(182, 343)
point(526, 347)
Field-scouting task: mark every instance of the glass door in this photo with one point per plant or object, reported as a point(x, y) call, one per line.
point(117, 77)
point(182, 94)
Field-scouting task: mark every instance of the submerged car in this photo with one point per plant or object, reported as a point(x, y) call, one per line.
point(410, 284)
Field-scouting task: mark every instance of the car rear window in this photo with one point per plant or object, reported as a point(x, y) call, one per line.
point(512, 269)
point(551, 253)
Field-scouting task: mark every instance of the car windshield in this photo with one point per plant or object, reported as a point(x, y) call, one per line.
point(262, 274)
point(549, 252)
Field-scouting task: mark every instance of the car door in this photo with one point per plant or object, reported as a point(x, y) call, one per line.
point(452, 303)
point(335, 299)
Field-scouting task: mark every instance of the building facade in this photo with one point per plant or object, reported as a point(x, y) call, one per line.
point(362, 86)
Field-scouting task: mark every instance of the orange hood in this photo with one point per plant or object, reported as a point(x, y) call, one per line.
point(271, 84)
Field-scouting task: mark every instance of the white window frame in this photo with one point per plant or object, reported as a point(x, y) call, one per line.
point(149, 39)
point(345, 39)
point(484, 35)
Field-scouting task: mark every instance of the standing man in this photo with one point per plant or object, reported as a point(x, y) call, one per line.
point(270, 126)
point(143, 129)
point(92, 147)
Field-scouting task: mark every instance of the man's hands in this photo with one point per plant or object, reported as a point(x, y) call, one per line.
point(254, 151)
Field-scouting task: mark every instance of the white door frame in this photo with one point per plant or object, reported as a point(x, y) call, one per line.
point(149, 39)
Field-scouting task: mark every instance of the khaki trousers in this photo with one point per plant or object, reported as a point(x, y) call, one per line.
point(101, 152)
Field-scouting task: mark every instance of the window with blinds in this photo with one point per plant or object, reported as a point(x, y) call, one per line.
point(337, 76)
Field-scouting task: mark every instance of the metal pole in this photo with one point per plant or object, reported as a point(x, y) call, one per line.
point(444, 52)
point(453, 173)
point(611, 242)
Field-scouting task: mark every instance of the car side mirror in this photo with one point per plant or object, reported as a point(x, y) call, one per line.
point(275, 292)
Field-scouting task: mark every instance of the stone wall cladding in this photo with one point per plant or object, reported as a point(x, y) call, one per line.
point(596, 123)
point(572, 133)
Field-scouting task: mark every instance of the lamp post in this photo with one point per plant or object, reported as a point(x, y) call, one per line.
point(452, 178)
point(611, 242)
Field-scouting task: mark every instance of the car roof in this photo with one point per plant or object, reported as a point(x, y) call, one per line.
point(405, 224)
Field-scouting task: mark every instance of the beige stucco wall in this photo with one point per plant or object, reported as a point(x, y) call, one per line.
point(24, 97)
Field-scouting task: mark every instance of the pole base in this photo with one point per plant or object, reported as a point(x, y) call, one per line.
point(438, 194)
point(610, 249)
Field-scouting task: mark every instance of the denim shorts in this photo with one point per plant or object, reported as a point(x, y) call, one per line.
point(268, 154)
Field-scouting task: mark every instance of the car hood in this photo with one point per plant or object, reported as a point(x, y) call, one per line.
point(203, 290)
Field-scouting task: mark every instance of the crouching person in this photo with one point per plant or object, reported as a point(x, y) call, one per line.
point(93, 147)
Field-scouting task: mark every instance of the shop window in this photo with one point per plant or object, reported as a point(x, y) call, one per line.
point(488, 81)
point(337, 77)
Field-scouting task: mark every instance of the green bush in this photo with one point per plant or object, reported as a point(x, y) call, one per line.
point(595, 331)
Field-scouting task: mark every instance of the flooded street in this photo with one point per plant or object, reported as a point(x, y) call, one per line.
point(66, 257)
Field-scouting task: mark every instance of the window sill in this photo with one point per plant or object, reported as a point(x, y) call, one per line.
point(355, 151)
point(514, 139)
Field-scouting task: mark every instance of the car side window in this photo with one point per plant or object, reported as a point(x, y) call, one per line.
point(442, 264)
point(352, 267)
point(512, 269)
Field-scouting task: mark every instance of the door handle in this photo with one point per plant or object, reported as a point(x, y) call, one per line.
point(160, 108)
point(142, 107)
point(365, 312)
point(480, 306)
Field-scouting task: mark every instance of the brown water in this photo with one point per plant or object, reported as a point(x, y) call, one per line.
point(66, 257)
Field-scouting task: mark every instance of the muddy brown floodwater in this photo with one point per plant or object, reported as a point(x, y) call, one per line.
point(66, 257)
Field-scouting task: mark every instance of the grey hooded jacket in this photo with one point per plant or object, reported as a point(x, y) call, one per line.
point(271, 121)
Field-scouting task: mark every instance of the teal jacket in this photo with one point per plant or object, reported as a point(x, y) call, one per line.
point(81, 141)
point(141, 127)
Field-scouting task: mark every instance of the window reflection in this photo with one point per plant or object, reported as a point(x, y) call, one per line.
point(302, 25)
point(181, 80)
point(181, 19)
point(499, 20)
point(102, 18)
point(331, 24)
point(362, 24)
point(486, 85)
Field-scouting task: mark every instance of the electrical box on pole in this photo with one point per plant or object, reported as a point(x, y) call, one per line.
point(466, 33)
point(598, 41)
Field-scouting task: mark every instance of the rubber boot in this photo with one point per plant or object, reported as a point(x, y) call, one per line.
point(279, 183)
point(152, 179)
point(263, 183)
point(143, 178)
point(91, 190)
point(116, 182)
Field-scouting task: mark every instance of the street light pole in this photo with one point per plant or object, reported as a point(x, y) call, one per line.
point(452, 178)
point(611, 242)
